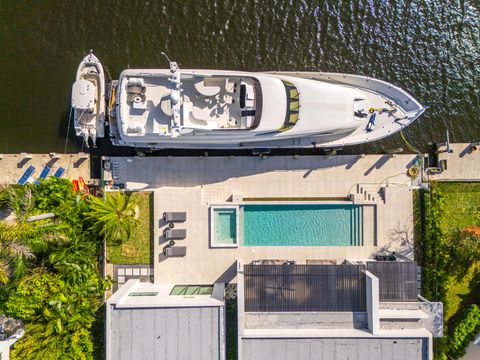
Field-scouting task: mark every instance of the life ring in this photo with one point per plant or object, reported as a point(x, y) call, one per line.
point(413, 171)
point(137, 99)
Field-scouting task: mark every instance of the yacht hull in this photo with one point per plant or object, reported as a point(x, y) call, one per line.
point(89, 114)
point(390, 110)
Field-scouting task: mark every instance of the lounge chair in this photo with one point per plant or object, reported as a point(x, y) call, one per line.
point(45, 171)
point(175, 234)
point(174, 216)
point(175, 251)
point(59, 172)
point(26, 175)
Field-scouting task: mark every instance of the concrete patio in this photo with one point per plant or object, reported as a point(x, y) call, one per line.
point(12, 166)
point(192, 184)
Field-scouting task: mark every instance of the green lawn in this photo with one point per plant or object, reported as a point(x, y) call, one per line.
point(462, 205)
point(138, 249)
point(462, 210)
point(464, 291)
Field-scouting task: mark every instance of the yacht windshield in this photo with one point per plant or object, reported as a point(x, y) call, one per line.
point(293, 106)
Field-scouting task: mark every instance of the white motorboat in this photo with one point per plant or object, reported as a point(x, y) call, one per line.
point(217, 109)
point(88, 99)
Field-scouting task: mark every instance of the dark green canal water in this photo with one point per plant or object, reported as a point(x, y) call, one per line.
point(430, 48)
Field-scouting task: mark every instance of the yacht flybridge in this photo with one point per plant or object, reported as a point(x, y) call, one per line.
point(208, 109)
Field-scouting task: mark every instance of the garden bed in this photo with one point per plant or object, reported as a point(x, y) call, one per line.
point(138, 249)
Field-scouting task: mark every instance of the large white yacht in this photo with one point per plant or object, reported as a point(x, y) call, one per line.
point(217, 109)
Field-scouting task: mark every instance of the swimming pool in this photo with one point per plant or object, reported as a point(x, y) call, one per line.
point(224, 226)
point(331, 224)
point(302, 224)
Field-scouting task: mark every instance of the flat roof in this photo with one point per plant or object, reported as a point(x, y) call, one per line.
point(335, 348)
point(159, 296)
point(163, 326)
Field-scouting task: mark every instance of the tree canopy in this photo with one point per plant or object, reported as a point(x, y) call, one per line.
point(49, 269)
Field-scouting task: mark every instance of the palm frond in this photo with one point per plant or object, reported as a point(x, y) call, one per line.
point(28, 202)
point(113, 216)
point(16, 249)
point(4, 272)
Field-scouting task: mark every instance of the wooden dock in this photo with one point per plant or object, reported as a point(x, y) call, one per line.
point(12, 166)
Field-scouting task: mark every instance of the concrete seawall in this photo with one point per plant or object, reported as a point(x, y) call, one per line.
point(461, 164)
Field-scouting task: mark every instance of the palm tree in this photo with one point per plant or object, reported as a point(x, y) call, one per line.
point(20, 241)
point(20, 201)
point(113, 216)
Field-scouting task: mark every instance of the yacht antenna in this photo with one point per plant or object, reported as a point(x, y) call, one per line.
point(173, 65)
point(165, 56)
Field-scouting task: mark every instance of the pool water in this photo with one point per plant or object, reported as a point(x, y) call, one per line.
point(225, 220)
point(303, 225)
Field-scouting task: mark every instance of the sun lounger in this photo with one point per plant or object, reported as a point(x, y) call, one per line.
point(175, 251)
point(59, 173)
point(175, 234)
point(174, 216)
point(45, 171)
point(26, 175)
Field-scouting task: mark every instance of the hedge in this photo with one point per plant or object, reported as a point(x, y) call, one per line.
point(435, 256)
point(464, 331)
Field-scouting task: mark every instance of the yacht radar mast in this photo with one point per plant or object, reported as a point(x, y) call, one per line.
point(175, 96)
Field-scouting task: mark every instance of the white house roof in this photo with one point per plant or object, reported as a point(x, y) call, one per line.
point(123, 298)
point(163, 326)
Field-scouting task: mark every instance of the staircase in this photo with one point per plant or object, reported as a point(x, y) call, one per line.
point(357, 225)
point(371, 193)
point(211, 194)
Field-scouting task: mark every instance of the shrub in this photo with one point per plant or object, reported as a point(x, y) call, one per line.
point(464, 331)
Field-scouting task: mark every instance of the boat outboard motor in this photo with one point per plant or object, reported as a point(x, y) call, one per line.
point(93, 135)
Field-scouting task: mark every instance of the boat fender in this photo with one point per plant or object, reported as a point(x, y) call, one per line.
point(371, 123)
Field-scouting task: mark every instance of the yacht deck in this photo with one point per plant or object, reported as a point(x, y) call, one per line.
point(206, 103)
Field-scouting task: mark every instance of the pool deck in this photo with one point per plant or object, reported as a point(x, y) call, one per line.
point(12, 166)
point(192, 184)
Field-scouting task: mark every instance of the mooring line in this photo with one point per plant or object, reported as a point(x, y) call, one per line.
point(68, 130)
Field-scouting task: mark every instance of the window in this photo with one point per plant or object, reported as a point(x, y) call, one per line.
point(293, 106)
point(192, 290)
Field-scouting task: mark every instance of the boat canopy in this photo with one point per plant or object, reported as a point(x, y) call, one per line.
point(83, 95)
